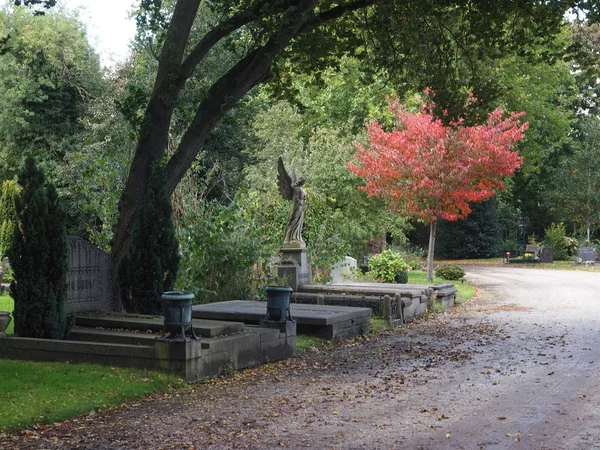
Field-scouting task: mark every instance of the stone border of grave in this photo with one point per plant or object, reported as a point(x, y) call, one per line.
point(396, 303)
point(222, 346)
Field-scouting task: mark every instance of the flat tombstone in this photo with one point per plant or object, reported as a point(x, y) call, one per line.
point(89, 278)
point(586, 254)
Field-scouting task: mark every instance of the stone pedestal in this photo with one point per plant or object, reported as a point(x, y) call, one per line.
point(294, 267)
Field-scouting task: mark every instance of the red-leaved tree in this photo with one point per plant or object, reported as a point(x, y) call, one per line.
point(429, 170)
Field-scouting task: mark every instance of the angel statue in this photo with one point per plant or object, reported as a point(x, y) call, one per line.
point(290, 188)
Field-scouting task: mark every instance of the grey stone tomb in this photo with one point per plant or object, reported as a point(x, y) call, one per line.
point(89, 278)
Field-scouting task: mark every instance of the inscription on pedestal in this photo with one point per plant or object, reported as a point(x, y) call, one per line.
point(294, 267)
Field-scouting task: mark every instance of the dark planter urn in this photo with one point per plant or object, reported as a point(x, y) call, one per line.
point(4, 321)
point(178, 313)
point(278, 303)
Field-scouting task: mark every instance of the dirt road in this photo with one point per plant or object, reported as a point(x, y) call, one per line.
point(515, 368)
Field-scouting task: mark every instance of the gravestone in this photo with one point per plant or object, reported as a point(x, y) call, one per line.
point(533, 249)
point(341, 268)
point(547, 255)
point(586, 254)
point(90, 280)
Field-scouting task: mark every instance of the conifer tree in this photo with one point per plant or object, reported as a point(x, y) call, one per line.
point(151, 266)
point(8, 214)
point(38, 255)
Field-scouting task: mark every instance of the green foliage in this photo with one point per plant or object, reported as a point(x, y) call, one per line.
point(151, 266)
point(555, 236)
point(94, 170)
point(387, 266)
point(38, 257)
point(8, 214)
point(450, 272)
point(224, 246)
point(476, 236)
point(575, 179)
point(48, 72)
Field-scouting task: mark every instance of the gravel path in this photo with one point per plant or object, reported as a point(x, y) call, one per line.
point(515, 368)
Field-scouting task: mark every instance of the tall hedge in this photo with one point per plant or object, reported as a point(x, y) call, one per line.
point(151, 267)
point(476, 236)
point(39, 258)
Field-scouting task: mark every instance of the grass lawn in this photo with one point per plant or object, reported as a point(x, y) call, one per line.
point(7, 304)
point(465, 290)
point(36, 393)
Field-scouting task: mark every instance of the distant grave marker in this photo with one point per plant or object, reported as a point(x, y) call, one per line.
point(586, 254)
point(341, 268)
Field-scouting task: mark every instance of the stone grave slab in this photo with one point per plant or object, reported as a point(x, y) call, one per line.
point(329, 322)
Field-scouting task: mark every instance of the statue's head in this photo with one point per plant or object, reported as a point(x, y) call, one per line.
point(299, 182)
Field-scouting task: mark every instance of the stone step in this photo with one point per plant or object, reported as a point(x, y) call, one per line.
point(205, 328)
point(85, 334)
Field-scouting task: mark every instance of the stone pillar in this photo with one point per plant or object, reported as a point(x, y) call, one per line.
point(294, 267)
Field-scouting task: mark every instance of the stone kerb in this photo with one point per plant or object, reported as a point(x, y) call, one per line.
point(90, 278)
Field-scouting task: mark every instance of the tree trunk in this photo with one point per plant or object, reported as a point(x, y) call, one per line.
point(432, 228)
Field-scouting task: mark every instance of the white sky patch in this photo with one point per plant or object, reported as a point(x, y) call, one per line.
point(108, 27)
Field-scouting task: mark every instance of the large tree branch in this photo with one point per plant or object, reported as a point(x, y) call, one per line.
point(232, 86)
point(260, 9)
point(175, 42)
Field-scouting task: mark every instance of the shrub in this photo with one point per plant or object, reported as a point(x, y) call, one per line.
point(8, 214)
point(222, 251)
point(387, 265)
point(556, 237)
point(450, 272)
point(38, 256)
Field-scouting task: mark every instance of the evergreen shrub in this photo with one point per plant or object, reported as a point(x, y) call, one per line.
point(38, 256)
point(450, 272)
point(477, 236)
point(8, 214)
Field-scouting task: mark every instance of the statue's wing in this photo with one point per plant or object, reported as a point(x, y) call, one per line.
point(285, 181)
point(293, 176)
